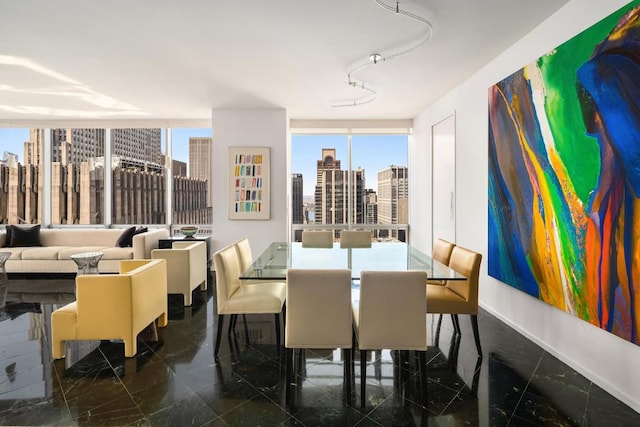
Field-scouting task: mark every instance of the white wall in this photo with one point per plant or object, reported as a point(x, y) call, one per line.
point(610, 362)
point(250, 128)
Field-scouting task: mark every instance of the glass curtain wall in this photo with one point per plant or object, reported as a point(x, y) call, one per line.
point(191, 161)
point(21, 173)
point(138, 194)
point(78, 190)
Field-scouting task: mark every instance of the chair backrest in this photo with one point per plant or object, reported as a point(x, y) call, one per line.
point(392, 310)
point(244, 253)
point(355, 239)
point(227, 267)
point(318, 309)
point(467, 263)
point(317, 239)
point(442, 251)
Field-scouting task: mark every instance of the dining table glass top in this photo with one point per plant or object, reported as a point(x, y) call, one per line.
point(273, 263)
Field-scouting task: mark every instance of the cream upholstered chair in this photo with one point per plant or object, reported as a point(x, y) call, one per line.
point(186, 267)
point(317, 239)
point(459, 296)
point(244, 252)
point(442, 253)
point(391, 315)
point(318, 316)
point(355, 239)
point(246, 260)
point(233, 299)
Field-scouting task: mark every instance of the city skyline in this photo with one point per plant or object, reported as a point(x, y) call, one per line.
point(371, 152)
point(13, 139)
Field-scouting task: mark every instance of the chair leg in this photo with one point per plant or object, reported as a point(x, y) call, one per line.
point(348, 373)
point(289, 375)
point(436, 339)
point(363, 376)
point(476, 334)
point(278, 331)
point(232, 324)
point(284, 316)
point(456, 323)
point(219, 334)
point(246, 328)
point(422, 362)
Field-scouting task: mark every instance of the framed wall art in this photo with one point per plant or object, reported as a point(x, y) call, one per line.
point(249, 183)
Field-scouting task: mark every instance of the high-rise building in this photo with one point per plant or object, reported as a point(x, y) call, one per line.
point(135, 147)
point(332, 192)
point(137, 144)
point(393, 196)
point(297, 203)
point(370, 206)
point(200, 160)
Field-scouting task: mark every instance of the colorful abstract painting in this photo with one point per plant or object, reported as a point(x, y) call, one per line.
point(564, 176)
point(249, 183)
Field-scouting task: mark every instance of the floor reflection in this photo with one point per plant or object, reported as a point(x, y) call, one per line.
point(176, 380)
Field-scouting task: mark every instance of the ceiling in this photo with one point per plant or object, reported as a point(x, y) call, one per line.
point(176, 60)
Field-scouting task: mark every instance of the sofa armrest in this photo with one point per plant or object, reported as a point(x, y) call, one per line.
point(143, 243)
point(3, 238)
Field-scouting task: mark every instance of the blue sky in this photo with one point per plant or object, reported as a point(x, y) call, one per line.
point(371, 152)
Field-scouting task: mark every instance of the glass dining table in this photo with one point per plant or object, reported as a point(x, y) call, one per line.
point(273, 263)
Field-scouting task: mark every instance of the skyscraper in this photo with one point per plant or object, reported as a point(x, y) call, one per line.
point(332, 192)
point(393, 196)
point(200, 160)
point(297, 204)
point(136, 147)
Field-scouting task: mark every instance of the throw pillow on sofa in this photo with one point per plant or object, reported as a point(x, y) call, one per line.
point(126, 238)
point(140, 230)
point(7, 240)
point(24, 236)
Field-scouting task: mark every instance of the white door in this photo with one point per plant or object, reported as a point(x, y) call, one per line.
point(443, 169)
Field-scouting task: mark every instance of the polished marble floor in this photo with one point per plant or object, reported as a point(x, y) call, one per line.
point(176, 381)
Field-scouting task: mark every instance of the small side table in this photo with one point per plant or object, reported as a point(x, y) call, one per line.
point(87, 262)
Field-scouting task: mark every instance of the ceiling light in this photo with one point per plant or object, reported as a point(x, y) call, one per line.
point(374, 58)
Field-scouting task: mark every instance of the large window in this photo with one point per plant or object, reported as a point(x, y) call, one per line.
point(357, 181)
point(21, 177)
point(77, 172)
point(139, 174)
point(191, 164)
point(57, 176)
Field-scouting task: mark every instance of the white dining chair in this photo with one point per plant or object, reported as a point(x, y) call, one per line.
point(234, 299)
point(317, 239)
point(318, 316)
point(355, 239)
point(391, 315)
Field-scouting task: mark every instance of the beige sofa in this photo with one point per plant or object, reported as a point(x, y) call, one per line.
point(58, 244)
point(113, 306)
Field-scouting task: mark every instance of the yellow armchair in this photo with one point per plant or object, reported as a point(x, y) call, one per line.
point(113, 306)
